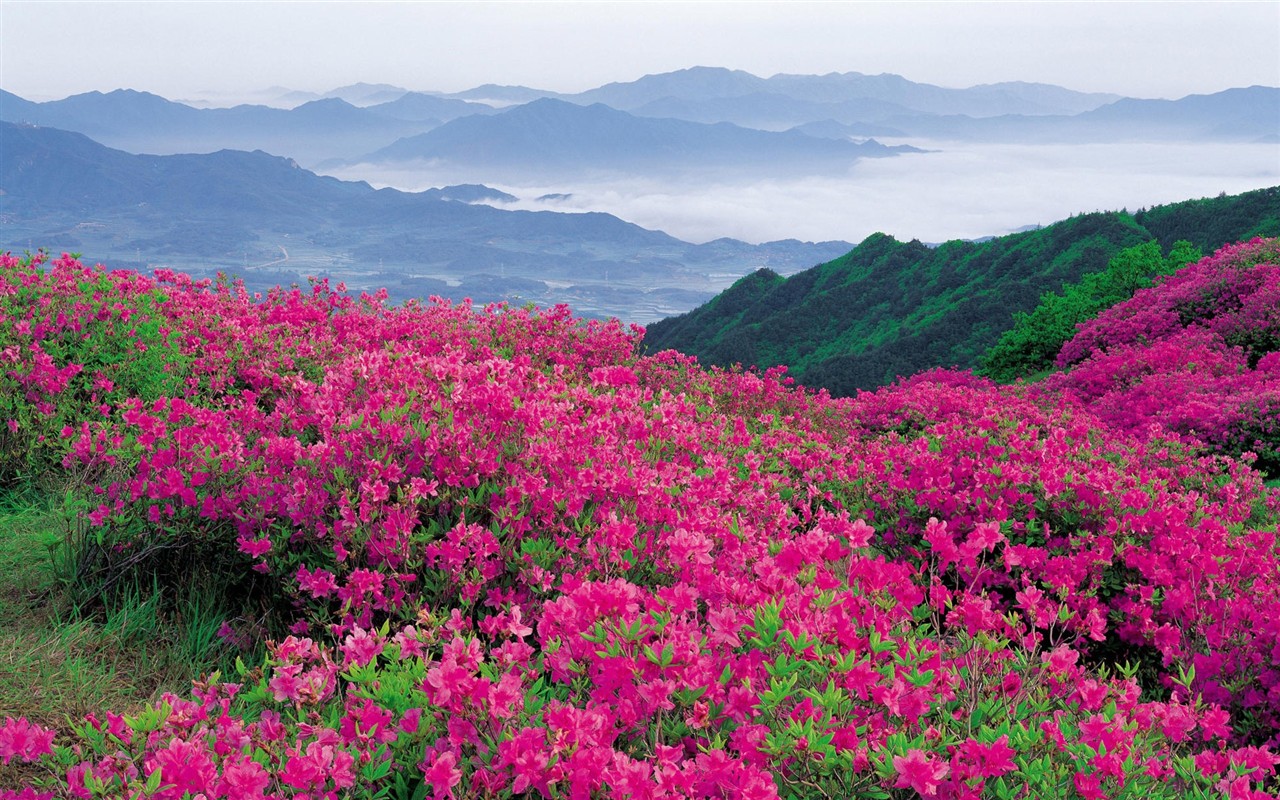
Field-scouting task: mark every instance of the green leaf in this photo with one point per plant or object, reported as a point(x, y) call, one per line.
point(879, 645)
point(921, 679)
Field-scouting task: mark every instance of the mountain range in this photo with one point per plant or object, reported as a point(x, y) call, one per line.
point(140, 122)
point(270, 220)
point(701, 84)
point(364, 119)
point(207, 194)
point(709, 94)
point(1250, 114)
point(555, 138)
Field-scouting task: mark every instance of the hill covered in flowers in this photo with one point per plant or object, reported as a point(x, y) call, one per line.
point(502, 553)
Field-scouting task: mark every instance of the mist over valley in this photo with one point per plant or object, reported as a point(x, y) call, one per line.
point(950, 190)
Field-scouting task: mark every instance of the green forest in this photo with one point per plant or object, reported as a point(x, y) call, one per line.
point(1002, 306)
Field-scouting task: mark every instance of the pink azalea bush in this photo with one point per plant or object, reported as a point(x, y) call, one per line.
point(515, 558)
point(1198, 353)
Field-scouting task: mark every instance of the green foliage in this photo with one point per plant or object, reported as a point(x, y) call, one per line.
point(726, 310)
point(1212, 222)
point(889, 308)
point(1033, 342)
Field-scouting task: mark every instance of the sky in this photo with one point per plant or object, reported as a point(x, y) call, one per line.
point(52, 49)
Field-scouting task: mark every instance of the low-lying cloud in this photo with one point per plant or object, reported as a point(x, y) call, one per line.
point(958, 190)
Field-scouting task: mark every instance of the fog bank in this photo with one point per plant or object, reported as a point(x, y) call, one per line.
point(958, 190)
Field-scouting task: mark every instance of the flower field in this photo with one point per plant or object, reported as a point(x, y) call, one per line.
point(499, 553)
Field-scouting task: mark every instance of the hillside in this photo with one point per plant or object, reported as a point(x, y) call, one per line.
point(1198, 353)
point(504, 553)
point(890, 308)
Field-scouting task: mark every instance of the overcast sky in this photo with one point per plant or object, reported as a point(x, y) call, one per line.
point(176, 49)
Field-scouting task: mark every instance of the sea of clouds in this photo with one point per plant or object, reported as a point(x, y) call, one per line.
point(956, 190)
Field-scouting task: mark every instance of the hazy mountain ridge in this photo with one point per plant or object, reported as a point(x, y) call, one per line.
point(891, 308)
point(424, 107)
point(356, 120)
point(495, 94)
point(140, 122)
point(1233, 115)
point(716, 83)
point(213, 211)
point(769, 111)
point(555, 137)
point(367, 94)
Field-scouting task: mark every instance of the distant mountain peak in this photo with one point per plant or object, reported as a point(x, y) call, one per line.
point(364, 87)
point(327, 102)
point(470, 193)
point(705, 70)
point(131, 94)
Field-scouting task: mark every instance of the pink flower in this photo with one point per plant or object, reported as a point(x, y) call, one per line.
point(1061, 659)
point(995, 759)
point(26, 794)
point(920, 771)
point(860, 533)
point(986, 535)
point(322, 762)
point(23, 740)
point(183, 767)
point(284, 685)
point(366, 721)
point(505, 696)
point(442, 773)
point(1089, 786)
point(410, 721)
point(255, 548)
point(526, 754)
point(518, 628)
point(360, 648)
point(244, 780)
point(320, 583)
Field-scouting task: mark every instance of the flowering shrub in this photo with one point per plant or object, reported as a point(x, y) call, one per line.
point(1196, 353)
point(73, 343)
point(513, 557)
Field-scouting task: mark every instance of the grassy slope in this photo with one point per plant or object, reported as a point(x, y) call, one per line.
point(890, 308)
point(58, 662)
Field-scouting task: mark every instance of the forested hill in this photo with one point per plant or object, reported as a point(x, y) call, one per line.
point(889, 308)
